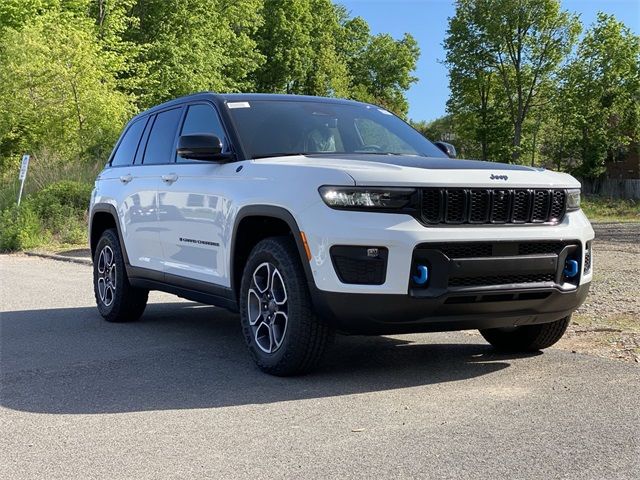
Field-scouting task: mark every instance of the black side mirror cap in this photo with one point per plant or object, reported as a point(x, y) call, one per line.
point(447, 148)
point(201, 147)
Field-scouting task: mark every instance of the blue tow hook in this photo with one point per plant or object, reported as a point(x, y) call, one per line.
point(570, 268)
point(423, 277)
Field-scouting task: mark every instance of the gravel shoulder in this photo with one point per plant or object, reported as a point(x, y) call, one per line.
point(608, 323)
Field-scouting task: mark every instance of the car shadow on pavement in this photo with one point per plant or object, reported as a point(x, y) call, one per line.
point(186, 355)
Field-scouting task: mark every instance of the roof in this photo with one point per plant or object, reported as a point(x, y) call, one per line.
point(246, 97)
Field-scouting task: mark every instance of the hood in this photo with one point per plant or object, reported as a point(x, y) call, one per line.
point(410, 170)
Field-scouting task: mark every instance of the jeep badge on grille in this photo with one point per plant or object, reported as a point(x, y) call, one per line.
point(498, 177)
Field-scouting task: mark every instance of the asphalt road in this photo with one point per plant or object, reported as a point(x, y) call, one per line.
point(176, 396)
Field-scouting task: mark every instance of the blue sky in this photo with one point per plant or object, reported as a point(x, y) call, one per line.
point(426, 20)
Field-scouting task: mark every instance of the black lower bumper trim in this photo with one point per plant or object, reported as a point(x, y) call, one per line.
point(373, 314)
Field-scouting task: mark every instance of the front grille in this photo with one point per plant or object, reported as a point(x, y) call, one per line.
point(500, 280)
point(492, 205)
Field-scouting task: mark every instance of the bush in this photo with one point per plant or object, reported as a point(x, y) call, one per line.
point(66, 198)
point(20, 228)
point(62, 208)
point(57, 212)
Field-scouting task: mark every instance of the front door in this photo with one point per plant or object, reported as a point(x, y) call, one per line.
point(193, 208)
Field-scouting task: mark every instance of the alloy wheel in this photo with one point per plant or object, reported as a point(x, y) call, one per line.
point(267, 307)
point(106, 276)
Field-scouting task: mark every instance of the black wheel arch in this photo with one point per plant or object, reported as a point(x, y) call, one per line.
point(266, 211)
point(103, 216)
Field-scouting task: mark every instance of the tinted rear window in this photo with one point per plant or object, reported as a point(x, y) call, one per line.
point(161, 139)
point(126, 151)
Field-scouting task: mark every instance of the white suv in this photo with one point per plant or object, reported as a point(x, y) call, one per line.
point(313, 215)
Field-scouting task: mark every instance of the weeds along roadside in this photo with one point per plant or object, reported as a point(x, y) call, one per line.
point(54, 205)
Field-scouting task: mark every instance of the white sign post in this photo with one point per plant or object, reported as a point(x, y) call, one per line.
point(23, 174)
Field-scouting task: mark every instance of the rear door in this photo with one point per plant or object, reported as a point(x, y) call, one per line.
point(194, 209)
point(156, 165)
point(135, 197)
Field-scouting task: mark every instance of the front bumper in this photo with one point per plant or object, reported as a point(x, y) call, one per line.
point(401, 234)
point(395, 306)
point(372, 314)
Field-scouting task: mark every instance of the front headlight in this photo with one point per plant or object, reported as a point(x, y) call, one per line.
point(367, 198)
point(573, 199)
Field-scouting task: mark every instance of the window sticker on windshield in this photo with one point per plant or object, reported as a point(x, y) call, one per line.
point(382, 110)
point(238, 105)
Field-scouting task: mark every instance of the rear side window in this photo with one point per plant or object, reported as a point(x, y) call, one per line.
point(162, 136)
point(203, 118)
point(126, 150)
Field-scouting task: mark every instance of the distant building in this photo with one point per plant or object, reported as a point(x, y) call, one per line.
point(624, 165)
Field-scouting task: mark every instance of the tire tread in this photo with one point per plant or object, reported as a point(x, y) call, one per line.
point(527, 338)
point(130, 302)
point(312, 334)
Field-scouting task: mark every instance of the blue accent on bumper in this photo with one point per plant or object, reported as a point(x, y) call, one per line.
point(571, 268)
point(423, 277)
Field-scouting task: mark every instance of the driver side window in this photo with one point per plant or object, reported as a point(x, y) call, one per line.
point(374, 134)
point(202, 118)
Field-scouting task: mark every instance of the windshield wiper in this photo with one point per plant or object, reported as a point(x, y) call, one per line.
point(390, 153)
point(280, 154)
point(293, 154)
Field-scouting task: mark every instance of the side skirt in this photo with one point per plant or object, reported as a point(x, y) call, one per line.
point(183, 287)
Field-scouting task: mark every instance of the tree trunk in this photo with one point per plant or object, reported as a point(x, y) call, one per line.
point(517, 138)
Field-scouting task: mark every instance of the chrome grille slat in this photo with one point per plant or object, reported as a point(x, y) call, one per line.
point(492, 206)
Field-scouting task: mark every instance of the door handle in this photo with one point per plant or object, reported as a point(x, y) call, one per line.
point(170, 178)
point(126, 178)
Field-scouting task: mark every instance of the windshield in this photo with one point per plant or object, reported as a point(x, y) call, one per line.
point(269, 128)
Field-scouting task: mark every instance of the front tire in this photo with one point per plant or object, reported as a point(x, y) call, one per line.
point(283, 334)
point(527, 338)
point(117, 300)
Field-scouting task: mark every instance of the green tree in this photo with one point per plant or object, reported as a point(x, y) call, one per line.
point(285, 41)
point(383, 71)
point(16, 13)
point(328, 70)
point(600, 96)
point(113, 22)
point(299, 41)
point(477, 102)
point(57, 90)
point(195, 45)
point(313, 47)
point(517, 44)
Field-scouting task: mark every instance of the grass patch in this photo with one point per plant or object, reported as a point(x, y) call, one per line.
point(604, 209)
point(624, 322)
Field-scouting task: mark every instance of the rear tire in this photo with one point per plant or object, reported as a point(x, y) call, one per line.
point(527, 338)
point(117, 300)
point(283, 334)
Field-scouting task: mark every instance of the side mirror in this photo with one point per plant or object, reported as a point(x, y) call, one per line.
point(447, 148)
point(201, 147)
